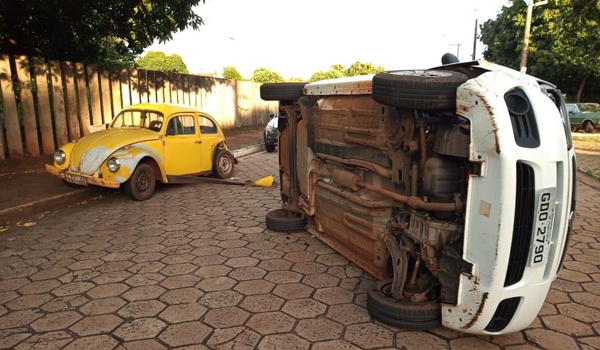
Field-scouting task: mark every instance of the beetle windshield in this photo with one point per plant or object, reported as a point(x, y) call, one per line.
point(139, 118)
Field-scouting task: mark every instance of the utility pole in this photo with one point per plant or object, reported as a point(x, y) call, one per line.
point(474, 40)
point(530, 5)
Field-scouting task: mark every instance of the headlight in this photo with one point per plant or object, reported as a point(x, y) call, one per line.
point(60, 157)
point(113, 164)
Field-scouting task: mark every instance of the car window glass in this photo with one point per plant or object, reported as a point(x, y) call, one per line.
point(138, 118)
point(181, 125)
point(207, 126)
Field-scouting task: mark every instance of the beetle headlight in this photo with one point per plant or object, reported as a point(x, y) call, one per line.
point(113, 164)
point(60, 157)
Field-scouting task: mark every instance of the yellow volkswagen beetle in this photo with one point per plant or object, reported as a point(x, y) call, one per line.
point(146, 143)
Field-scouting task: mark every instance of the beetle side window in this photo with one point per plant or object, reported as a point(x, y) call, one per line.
point(206, 125)
point(181, 125)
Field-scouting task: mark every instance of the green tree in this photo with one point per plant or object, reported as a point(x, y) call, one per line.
point(336, 71)
point(91, 31)
point(230, 72)
point(359, 68)
point(263, 75)
point(564, 43)
point(158, 61)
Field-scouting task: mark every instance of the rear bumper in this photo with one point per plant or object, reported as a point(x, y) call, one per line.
point(504, 289)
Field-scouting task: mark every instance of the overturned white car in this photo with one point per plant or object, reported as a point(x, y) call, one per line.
point(453, 186)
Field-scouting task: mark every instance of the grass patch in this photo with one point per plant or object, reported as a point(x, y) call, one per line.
point(591, 142)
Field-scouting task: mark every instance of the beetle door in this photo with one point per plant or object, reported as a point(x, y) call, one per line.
point(183, 147)
point(210, 136)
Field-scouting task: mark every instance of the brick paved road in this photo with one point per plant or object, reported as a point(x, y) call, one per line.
point(194, 267)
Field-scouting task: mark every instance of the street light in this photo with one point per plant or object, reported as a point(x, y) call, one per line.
point(530, 5)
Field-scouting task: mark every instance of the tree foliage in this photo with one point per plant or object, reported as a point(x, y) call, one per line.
point(158, 61)
point(263, 75)
point(338, 71)
point(91, 31)
point(230, 72)
point(564, 42)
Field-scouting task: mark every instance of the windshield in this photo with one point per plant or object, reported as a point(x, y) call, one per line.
point(139, 118)
point(590, 107)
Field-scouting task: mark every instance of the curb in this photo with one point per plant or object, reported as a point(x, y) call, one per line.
point(28, 210)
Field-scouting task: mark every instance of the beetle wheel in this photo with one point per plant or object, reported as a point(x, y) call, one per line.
point(417, 89)
point(281, 220)
point(223, 164)
point(142, 183)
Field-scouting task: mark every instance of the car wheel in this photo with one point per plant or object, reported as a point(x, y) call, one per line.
point(142, 183)
point(281, 220)
point(281, 91)
point(588, 127)
point(270, 148)
point(417, 89)
point(223, 164)
point(399, 313)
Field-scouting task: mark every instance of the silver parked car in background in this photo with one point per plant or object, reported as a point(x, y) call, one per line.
point(270, 133)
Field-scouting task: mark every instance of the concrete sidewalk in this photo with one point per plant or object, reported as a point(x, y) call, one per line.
point(27, 191)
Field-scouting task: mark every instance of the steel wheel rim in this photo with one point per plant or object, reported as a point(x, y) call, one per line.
point(225, 164)
point(142, 183)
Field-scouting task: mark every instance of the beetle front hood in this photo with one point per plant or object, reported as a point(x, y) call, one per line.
point(92, 150)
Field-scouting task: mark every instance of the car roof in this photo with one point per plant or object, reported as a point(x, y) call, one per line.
point(165, 108)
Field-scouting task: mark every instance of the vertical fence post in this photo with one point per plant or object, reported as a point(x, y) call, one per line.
point(27, 106)
point(44, 108)
point(10, 111)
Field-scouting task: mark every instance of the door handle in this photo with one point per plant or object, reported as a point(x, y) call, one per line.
point(198, 141)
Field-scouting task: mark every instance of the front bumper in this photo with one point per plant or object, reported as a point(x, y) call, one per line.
point(502, 290)
point(89, 180)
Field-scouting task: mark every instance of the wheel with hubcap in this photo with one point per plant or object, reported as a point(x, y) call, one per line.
point(417, 89)
point(588, 127)
point(223, 164)
point(142, 183)
point(281, 220)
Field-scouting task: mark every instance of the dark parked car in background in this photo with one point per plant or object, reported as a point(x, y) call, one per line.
point(271, 134)
point(584, 116)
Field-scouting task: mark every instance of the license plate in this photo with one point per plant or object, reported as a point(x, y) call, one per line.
point(76, 179)
point(542, 234)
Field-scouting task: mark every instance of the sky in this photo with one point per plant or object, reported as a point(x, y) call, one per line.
point(299, 38)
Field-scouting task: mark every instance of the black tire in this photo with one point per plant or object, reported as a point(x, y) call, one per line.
point(223, 164)
point(427, 90)
point(270, 148)
point(588, 127)
point(281, 220)
point(399, 313)
point(282, 91)
point(142, 183)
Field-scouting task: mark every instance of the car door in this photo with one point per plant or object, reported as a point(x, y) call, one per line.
point(211, 137)
point(183, 147)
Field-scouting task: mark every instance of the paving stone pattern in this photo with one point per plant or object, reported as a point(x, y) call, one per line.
point(194, 267)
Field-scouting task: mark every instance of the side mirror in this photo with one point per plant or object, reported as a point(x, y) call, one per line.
point(271, 115)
